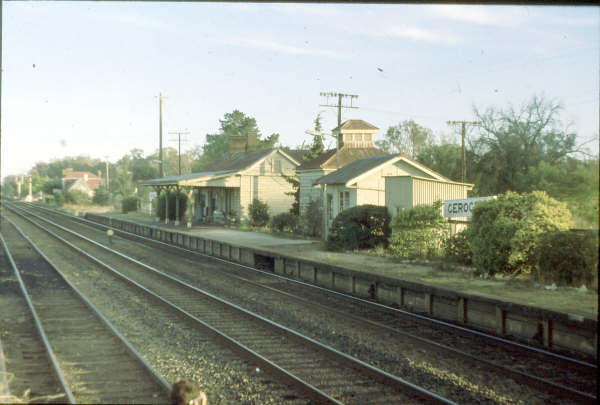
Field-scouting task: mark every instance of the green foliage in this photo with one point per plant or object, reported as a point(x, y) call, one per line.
point(50, 185)
point(259, 213)
point(419, 232)
point(360, 227)
point(293, 180)
point(505, 231)
point(172, 195)
point(130, 204)
point(457, 248)
point(317, 146)
point(514, 141)
point(312, 220)
point(285, 222)
point(59, 199)
point(77, 197)
point(567, 257)
point(407, 138)
point(235, 123)
point(101, 196)
point(446, 160)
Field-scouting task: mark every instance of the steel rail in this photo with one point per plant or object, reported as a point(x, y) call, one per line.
point(38, 324)
point(535, 381)
point(164, 384)
point(466, 330)
point(374, 372)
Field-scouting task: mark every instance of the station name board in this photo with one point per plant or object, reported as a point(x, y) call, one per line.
point(463, 207)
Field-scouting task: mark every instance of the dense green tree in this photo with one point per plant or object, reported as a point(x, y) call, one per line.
point(407, 138)
point(446, 160)
point(235, 123)
point(514, 141)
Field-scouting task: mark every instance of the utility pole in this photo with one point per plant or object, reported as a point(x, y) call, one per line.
point(107, 177)
point(339, 107)
point(463, 131)
point(179, 133)
point(160, 148)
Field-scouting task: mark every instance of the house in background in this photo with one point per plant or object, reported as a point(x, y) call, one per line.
point(230, 184)
point(86, 182)
point(356, 142)
point(394, 181)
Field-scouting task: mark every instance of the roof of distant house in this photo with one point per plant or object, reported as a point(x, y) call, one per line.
point(71, 174)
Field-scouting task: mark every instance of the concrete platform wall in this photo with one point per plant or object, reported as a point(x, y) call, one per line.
point(555, 329)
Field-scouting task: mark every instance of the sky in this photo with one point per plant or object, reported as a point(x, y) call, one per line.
point(82, 78)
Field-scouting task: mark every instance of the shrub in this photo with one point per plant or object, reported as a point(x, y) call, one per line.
point(505, 231)
point(312, 220)
point(419, 232)
point(101, 196)
point(77, 197)
point(172, 195)
point(259, 213)
point(130, 204)
point(59, 199)
point(567, 257)
point(457, 248)
point(360, 227)
point(285, 222)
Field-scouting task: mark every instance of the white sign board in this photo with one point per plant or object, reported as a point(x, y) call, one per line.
point(463, 207)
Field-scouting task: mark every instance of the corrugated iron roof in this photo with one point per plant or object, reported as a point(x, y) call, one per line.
point(354, 169)
point(356, 124)
point(346, 155)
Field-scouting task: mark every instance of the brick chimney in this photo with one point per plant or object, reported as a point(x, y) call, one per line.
point(237, 144)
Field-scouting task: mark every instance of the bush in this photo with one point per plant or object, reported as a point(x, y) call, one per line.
point(567, 257)
point(312, 220)
point(286, 222)
point(172, 195)
point(506, 231)
point(457, 248)
point(77, 197)
point(101, 196)
point(360, 227)
point(130, 204)
point(419, 232)
point(259, 213)
point(59, 199)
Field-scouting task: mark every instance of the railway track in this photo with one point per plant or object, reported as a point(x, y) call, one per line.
point(328, 375)
point(91, 360)
point(536, 367)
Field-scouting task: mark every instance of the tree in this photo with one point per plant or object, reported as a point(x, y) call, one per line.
point(407, 138)
point(515, 141)
point(235, 123)
point(446, 160)
point(317, 146)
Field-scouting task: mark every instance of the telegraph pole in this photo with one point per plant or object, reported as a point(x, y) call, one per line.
point(339, 107)
point(463, 131)
point(179, 133)
point(160, 148)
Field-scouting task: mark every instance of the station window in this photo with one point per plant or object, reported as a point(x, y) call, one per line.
point(329, 206)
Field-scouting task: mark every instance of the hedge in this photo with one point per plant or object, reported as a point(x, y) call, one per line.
point(506, 231)
point(360, 227)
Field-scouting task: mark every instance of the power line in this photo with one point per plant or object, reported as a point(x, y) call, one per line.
point(179, 133)
point(339, 107)
point(462, 156)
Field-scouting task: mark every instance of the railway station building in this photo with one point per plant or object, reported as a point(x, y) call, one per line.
point(356, 142)
point(393, 181)
point(229, 185)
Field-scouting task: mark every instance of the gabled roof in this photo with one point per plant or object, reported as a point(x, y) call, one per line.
point(356, 124)
point(224, 167)
point(358, 169)
point(346, 155)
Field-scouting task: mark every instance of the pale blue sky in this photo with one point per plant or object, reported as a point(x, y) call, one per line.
point(99, 66)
